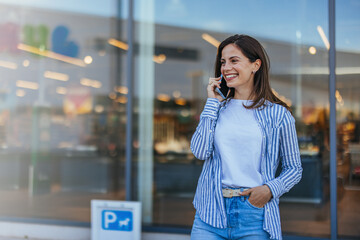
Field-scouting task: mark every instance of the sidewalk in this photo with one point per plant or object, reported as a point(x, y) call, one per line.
point(144, 236)
point(9, 238)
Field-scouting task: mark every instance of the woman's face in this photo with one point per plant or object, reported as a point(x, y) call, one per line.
point(237, 68)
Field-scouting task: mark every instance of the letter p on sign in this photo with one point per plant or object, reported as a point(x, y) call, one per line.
point(109, 217)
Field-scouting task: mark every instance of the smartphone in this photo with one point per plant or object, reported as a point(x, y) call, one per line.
point(224, 89)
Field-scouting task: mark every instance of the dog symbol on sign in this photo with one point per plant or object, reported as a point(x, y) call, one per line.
point(117, 220)
point(124, 222)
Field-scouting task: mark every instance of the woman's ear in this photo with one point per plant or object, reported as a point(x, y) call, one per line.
point(257, 64)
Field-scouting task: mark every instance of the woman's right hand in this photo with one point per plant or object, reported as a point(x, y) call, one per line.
point(213, 84)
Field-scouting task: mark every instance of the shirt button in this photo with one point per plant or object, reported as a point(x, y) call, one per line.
point(264, 136)
point(211, 130)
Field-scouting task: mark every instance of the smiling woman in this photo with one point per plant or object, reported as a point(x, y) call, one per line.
point(233, 140)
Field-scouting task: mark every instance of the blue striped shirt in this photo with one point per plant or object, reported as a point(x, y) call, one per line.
point(279, 142)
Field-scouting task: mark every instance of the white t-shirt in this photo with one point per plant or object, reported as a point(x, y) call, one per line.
point(238, 140)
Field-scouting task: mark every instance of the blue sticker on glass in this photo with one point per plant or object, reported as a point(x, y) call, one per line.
point(117, 220)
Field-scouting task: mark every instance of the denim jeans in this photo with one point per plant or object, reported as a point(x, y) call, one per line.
point(245, 222)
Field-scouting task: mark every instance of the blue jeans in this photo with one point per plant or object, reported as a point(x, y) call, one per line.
point(244, 220)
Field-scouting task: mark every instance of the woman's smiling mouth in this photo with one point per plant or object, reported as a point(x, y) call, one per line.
point(230, 76)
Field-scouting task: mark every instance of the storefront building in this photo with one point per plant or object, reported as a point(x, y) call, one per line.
point(90, 109)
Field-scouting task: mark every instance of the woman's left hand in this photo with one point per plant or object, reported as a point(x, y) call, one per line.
point(258, 196)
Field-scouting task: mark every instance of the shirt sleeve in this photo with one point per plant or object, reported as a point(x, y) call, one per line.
point(290, 159)
point(200, 144)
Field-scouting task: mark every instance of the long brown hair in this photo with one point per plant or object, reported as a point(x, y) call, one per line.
point(253, 50)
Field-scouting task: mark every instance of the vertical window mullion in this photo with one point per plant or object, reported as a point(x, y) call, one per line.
point(332, 89)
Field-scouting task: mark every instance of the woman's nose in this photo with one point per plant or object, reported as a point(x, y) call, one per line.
point(226, 66)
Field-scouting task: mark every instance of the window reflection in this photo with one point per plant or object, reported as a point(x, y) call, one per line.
point(299, 75)
point(63, 96)
point(62, 122)
point(348, 116)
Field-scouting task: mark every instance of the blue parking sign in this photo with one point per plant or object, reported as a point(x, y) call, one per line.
point(117, 220)
point(114, 220)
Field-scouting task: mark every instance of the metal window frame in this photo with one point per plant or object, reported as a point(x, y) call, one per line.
point(129, 105)
point(332, 89)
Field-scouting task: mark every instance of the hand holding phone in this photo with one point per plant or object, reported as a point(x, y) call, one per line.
point(224, 89)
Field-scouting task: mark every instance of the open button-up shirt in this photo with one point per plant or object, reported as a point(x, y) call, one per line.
point(279, 144)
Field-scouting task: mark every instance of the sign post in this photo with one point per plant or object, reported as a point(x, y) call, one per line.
point(113, 220)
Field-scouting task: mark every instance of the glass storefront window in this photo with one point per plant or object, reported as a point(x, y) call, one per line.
point(348, 115)
point(184, 35)
point(62, 108)
point(63, 102)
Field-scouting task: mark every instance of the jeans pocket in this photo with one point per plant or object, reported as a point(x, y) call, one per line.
point(249, 204)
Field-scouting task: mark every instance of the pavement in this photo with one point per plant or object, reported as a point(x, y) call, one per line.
point(144, 236)
point(10, 238)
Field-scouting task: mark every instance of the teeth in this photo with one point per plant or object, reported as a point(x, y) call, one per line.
point(230, 76)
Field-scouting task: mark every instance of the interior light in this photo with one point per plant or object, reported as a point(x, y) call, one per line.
point(210, 39)
point(159, 59)
point(20, 93)
point(96, 84)
point(56, 76)
point(176, 94)
point(112, 95)
point(85, 82)
point(312, 50)
point(99, 108)
point(163, 97)
point(9, 65)
point(26, 63)
point(27, 84)
point(339, 98)
point(61, 90)
point(180, 101)
point(90, 83)
point(323, 37)
point(117, 43)
point(121, 89)
point(121, 99)
point(88, 59)
point(50, 54)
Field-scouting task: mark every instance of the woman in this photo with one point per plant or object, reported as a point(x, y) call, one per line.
point(242, 139)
